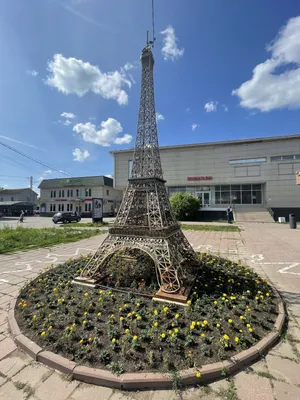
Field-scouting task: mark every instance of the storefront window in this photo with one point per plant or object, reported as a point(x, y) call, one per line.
point(238, 194)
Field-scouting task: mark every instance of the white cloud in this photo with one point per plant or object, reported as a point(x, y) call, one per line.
point(128, 66)
point(68, 115)
point(67, 122)
point(32, 72)
point(45, 174)
point(170, 49)
point(18, 141)
point(105, 136)
point(73, 76)
point(268, 90)
point(159, 117)
point(225, 107)
point(79, 155)
point(211, 106)
point(195, 126)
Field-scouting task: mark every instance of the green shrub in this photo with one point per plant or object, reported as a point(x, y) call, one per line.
point(184, 206)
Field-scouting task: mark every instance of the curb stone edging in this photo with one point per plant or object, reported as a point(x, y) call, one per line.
point(144, 380)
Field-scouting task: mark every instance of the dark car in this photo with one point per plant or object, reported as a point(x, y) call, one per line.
point(65, 217)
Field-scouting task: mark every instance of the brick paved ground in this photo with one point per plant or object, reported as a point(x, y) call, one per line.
point(271, 249)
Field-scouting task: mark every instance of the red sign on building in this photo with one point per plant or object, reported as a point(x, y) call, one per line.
point(199, 178)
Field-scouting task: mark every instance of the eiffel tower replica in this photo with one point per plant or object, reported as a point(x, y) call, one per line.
point(145, 220)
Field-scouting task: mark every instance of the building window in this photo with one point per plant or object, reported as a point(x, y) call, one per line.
point(90, 206)
point(51, 195)
point(90, 192)
point(54, 193)
point(59, 207)
point(62, 193)
point(1, 198)
point(68, 193)
point(238, 194)
point(62, 207)
point(71, 192)
point(286, 158)
point(53, 207)
point(71, 207)
point(248, 160)
point(50, 207)
point(59, 193)
point(107, 192)
point(12, 199)
point(68, 207)
point(77, 192)
point(86, 192)
point(129, 168)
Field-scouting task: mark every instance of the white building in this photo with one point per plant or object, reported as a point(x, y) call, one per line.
point(76, 194)
point(249, 173)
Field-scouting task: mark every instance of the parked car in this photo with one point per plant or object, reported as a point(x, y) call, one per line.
point(65, 217)
point(36, 212)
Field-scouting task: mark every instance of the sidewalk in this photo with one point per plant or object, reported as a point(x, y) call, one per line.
point(271, 249)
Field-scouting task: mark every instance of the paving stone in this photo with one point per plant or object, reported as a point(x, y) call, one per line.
point(4, 329)
point(141, 395)
point(55, 387)
point(2, 380)
point(219, 385)
point(9, 392)
point(196, 394)
point(4, 299)
point(91, 392)
point(10, 366)
point(294, 331)
point(2, 337)
point(284, 349)
point(7, 346)
point(164, 395)
point(258, 367)
point(284, 369)
point(117, 395)
point(286, 391)
point(3, 318)
point(253, 387)
point(33, 375)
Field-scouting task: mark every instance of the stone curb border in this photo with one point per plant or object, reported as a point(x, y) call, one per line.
point(143, 381)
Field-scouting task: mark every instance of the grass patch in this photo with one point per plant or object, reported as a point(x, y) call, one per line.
point(91, 224)
point(225, 228)
point(30, 238)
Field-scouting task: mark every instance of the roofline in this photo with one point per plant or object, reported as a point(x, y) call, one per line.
point(78, 177)
point(221, 143)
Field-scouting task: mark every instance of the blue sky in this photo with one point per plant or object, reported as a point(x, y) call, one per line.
point(70, 78)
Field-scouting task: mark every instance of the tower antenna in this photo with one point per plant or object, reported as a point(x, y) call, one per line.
point(151, 42)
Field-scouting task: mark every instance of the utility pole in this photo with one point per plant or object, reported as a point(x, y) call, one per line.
point(31, 185)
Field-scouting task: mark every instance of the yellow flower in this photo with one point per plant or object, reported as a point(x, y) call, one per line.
point(84, 322)
point(155, 323)
point(166, 309)
point(138, 304)
point(34, 317)
point(90, 339)
point(121, 318)
point(176, 330)
point(114, 340)
point(54, 290)
point(192, 326)
point(236, 339)
point(43, 333)
point(267, 294)
point(205, 322)
point(85, 313)
point(198, 374)
point(99, 314)
point(250, 330)
point(138, 317)
point(81, 341)
point(202, 334)
point(224, 294)
point(215, 302)
point(120, 309)
point(198, 323)
point(170, 332)
point(176, 316)
point(218, 325)
point(155, 312)
point(189, 302)
point(127, 331)
point(86, 294)
point(129, 315)
point(248, 325)
point(242, 317)
point(135, 338)
point(230, 321)
point(226, 337)
point(163, 335)
point(50, 328)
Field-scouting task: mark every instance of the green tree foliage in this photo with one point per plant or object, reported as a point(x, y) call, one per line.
point(184, 206)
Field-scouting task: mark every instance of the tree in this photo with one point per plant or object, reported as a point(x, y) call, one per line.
point(184, 205)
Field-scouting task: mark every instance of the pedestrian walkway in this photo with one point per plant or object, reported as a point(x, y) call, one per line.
point(271, 249)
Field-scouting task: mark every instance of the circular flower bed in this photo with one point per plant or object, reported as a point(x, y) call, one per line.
point(230, 309)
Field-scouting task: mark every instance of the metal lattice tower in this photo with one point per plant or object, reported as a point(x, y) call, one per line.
point(145, 220)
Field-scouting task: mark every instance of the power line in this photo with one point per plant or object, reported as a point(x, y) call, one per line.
point(32, 159)
point(17, 162)
point(15, 176)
